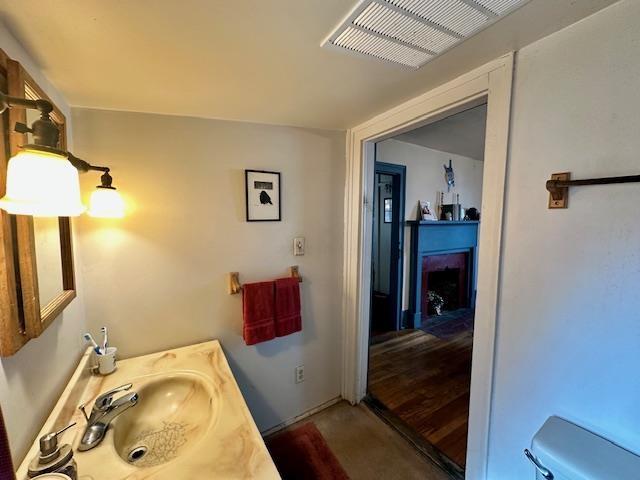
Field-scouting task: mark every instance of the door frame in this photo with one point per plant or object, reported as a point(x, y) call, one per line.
point(395, 285)
point(491, 84)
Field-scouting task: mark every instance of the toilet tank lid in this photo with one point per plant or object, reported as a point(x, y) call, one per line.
point(570, 451)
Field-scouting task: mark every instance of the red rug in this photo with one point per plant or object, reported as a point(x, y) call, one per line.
point(303, 454)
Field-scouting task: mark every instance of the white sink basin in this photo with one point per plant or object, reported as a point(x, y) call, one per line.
point(172, 414)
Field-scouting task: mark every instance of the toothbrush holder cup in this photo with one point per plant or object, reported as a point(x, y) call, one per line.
point(106, 363)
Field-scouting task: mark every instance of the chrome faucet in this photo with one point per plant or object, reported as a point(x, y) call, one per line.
point(104, 410)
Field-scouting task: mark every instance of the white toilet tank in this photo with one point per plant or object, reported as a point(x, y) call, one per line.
point(569, 452)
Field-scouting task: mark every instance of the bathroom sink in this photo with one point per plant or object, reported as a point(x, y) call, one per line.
point(189, 422)
point(173, 413)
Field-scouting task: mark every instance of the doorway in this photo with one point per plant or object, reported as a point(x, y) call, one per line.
point(419, 376)
point(491, 84)
point(388, 248)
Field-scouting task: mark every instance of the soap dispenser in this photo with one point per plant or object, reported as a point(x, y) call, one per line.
point(53, 458)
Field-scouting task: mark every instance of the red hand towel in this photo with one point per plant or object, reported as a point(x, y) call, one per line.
point(258, 312)
point(288, 319)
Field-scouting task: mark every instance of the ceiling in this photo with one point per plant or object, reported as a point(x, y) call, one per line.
point(462, 134)
point(249, 60)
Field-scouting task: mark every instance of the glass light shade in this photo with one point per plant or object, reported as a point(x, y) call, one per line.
point(106, 203)
point(42, 184)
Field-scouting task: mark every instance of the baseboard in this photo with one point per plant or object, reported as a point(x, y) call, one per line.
point(302, 416)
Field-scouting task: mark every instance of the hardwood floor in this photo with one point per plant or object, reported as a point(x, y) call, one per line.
point(425, 381)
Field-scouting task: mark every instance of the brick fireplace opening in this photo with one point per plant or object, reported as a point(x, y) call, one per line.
point(448, 275)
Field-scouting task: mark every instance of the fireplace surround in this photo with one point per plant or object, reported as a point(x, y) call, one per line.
point(443, 258)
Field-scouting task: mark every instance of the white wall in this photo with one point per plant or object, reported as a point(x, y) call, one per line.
point(32, 379)
point(158, 278)
point(568, 340)
point(425, 174)
point(425, 180)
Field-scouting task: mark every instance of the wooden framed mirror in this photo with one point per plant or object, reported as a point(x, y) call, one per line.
point(38, 251)
point(45, 248)
point(12, 322)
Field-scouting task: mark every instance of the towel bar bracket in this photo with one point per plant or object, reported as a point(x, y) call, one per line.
point(558, 186)
point(234, 283)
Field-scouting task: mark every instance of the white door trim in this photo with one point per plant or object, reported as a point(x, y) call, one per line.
point(491, 82)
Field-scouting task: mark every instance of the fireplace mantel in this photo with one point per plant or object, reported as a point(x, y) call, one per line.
point(439, 238)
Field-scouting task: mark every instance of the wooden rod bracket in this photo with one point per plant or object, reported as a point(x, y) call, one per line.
point(295, 273)
point(234, 283)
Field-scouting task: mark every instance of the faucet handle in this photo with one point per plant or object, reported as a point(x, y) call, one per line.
point(84, 412)
point(104, 401)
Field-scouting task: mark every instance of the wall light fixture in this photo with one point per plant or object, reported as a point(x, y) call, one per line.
point(42, 180)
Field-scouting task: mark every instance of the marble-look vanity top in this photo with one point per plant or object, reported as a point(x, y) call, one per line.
point(190, 416)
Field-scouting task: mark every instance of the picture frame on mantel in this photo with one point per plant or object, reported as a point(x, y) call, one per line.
point(425, 212)
point(263, 196)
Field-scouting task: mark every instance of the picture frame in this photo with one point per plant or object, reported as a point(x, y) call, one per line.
point(262, 196)
point(388, 210)
point(425, 212)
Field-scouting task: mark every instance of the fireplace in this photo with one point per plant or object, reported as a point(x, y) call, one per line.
point(443, 260)
point(446, 275)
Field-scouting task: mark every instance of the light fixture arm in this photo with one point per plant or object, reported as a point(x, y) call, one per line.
point(84, 166)
point(6, 101)
point(45, 131)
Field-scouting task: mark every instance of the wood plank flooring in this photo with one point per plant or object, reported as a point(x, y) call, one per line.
point(425, 381)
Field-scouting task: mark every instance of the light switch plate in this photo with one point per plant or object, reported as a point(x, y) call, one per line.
point(298, 246)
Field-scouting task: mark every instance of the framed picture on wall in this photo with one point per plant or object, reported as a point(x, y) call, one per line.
point(387, 210)
point(262, 196)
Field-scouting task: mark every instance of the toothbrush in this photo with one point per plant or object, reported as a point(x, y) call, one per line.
point(89, 338)
point(104, 340)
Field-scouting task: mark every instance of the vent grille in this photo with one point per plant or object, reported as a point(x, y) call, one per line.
point(368, 44)
point(499, 7)
point(383, 20)
point(453, 15)
point(413, 32)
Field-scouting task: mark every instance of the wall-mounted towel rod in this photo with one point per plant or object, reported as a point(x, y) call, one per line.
point(559, 185)
point(236, 287)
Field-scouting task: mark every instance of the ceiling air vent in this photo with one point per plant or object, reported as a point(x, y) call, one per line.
point(413, 32)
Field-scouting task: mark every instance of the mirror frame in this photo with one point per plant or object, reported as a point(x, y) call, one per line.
point(25, 317)
point(38, 317)
point(12, 322)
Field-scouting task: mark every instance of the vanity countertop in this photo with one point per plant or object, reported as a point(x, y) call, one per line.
point(226, 443)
